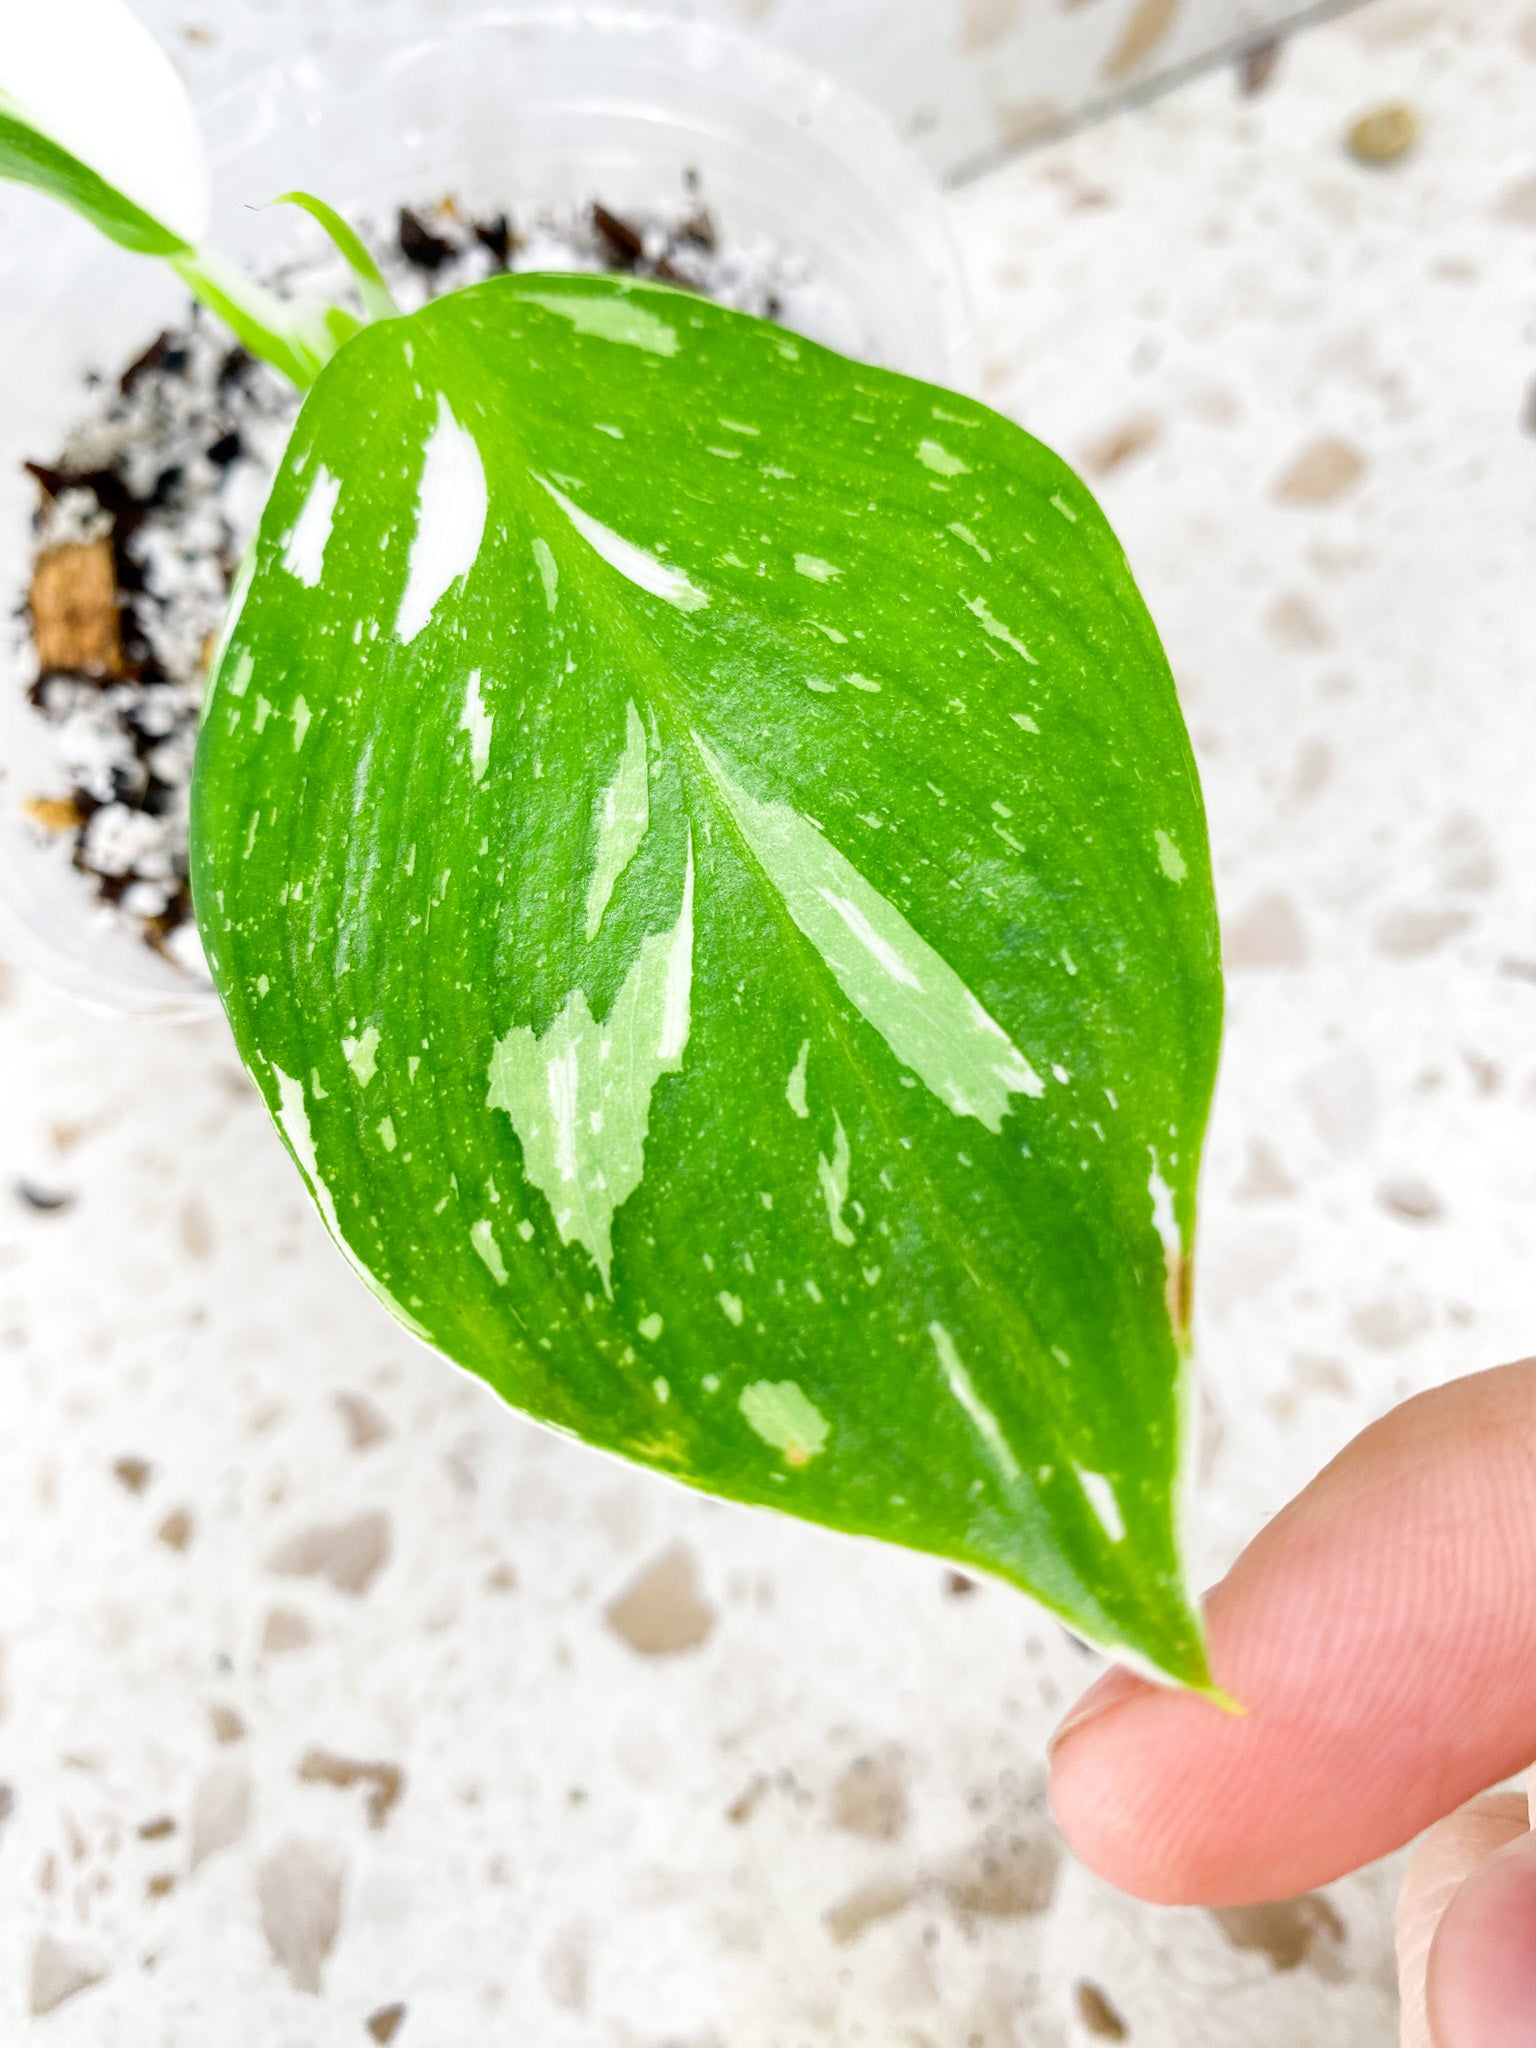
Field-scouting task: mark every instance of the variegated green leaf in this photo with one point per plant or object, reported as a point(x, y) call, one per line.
point(699, 847)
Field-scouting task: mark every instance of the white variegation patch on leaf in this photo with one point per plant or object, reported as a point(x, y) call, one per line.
point(579, 1097)
point(730, 943)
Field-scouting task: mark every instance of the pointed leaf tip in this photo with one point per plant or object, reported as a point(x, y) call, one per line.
point(378, 300)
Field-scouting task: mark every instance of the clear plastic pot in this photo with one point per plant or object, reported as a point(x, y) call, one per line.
point(523, 107)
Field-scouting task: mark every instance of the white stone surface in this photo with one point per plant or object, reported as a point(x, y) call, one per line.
point(962, 79)
point(595, 1846)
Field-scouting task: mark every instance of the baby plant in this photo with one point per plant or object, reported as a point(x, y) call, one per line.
point(698, 846)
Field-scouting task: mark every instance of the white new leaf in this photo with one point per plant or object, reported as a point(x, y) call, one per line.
point(87, 76)
point(93, 113)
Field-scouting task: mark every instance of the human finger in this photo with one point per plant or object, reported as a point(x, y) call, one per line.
point(1380, 1632)
point(1481, 1989)
point(1442, 1862)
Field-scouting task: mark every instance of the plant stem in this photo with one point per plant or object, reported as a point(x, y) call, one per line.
point(296, 336)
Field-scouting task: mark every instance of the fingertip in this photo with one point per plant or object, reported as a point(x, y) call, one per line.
point(1109, 1691)
point(1118, 1808)
point(1380, 1633)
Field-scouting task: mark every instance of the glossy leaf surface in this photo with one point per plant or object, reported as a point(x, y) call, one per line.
point(700, 850)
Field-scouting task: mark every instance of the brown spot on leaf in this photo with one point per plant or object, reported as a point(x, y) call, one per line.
point(1120, 445)
point(385, 1782)
point(384, 2024)
point(1097, 2014)
point(221, 1810)
point(284, 1630)
point(1268, 934)
point(1179, 1291)
point(1145, 27)
point(1384, 136)
point(663, 1611)
point(1289, 1932)
point(1323, 471)
point(226, 1723)
point(132, 1473)
point(365, 1424)
point(869, 1799)
point(350, 1554)
point(73, 602)
point(175, 1532)
point(868, 1903)
point(298, 1888)
point(1005, 1878)
point(60, 1972)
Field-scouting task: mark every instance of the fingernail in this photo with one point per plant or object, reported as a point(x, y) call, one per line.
point(1112, 1690)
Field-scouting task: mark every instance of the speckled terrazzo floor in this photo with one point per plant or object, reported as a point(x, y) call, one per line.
point(328, 1687)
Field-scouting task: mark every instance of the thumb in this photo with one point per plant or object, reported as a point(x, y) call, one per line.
point(1481, 1988)
point(1445, 1858)
point(1381, 1632)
